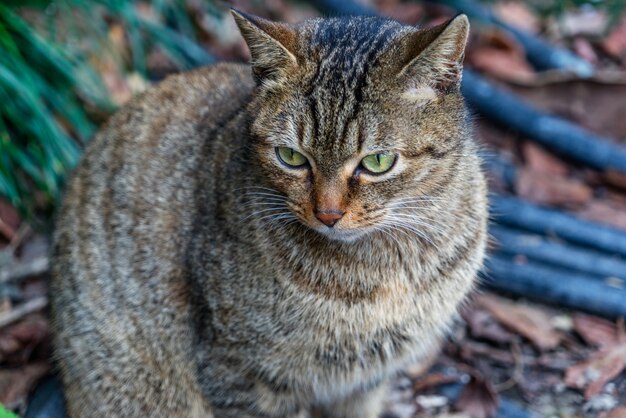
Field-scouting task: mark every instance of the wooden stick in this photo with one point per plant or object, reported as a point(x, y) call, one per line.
point(554, 285)
point(517, 213)
point(21, 311)
point(539, 248)
point(559, 135)
point(540, 53)
point(24, 270)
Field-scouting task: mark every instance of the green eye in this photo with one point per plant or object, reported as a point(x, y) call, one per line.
point(378, 163)
point(290, 157)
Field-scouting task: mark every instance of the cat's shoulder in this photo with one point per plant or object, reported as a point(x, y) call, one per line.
point(206, 92)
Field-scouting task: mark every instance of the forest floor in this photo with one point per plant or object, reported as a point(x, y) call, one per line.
point(545, 359)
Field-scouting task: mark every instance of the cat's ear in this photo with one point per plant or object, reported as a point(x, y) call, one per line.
point(434, 57)
point(271, 44)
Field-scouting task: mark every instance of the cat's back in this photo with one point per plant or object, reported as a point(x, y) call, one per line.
point(127, 212)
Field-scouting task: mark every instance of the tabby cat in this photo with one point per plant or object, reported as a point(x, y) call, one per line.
point(274, 240)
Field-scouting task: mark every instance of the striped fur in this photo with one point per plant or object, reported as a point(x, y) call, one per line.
point(191, 277)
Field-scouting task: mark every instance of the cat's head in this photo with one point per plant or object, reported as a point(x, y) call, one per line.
point(355, 119)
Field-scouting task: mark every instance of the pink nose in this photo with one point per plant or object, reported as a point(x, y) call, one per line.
point(329, 217)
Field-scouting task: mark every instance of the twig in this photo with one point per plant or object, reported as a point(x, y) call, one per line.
point(6, 230)
point(540, 53)
point(517, 213)
point(564, 137)
point(21, 311)
point(556, 286)
point(23, 270)
point(540, 248)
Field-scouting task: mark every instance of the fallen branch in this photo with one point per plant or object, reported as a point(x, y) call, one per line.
point(555, 286)
point(539, 248)
point(540, 53)
point(517, 213)
point(22, 310)
point(24, 270)
point(560, 135)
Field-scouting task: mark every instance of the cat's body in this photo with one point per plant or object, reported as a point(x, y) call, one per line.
point(190, 281)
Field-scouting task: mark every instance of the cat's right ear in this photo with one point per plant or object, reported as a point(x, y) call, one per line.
point(271, 44)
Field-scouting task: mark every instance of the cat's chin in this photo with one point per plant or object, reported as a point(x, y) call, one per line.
point(344, 235)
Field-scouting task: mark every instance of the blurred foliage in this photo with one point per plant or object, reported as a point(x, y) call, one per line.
point(52, 68)
point(612, 8)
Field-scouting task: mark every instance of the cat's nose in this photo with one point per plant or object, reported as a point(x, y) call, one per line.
point(329, 217)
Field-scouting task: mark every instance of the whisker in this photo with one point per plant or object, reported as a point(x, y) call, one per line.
point(421, 222)
point(265, 210)
point(404, 225)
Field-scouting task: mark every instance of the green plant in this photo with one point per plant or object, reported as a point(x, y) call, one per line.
point(52, 96)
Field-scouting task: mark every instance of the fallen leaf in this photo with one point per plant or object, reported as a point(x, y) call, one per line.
point(619, 412)
point(517, 14)
point(606, 212)
point(542, 161)
point(602, 367)
point(595, 331)
point(434, 380)
point(478, 399)
point(18, 341)
point(615, 43)
point(531, 323)
point(583, 48)
point(410, 13)
point(483, 325)
point(596, 104)
point(499, 55)
point(470, 350)
point(614, 178)
point(16, 384)
point(550, 189)
point(9, 220)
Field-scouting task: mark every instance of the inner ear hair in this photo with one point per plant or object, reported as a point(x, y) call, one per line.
point(434, 56)
point(272, 46)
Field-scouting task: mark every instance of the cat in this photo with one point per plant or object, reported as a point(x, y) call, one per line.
point(273, 240)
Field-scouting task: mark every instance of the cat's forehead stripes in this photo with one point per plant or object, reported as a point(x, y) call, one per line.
point(345, 51)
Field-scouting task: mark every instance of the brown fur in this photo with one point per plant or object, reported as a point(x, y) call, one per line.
point(191, 276)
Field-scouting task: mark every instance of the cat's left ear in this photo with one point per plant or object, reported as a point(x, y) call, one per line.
point(434, 56)
point(272, 46)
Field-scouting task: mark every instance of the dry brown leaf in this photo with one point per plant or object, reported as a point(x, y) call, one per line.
point(602, 367)
point(619, 412)
point(596, 104)
point(615, 43)
point(604, 211)
point(434, 380)
point(9, 220)
point(19, 340)
point(595, 331)
point(614, 178)
point(478, 399)
point(517, 14)
point(582, 48)
point(501, 56)
point(502, 64)
point(529, 322)
point(16, 384)
point(550, 189)
point(542, 161)
point(483, 325)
